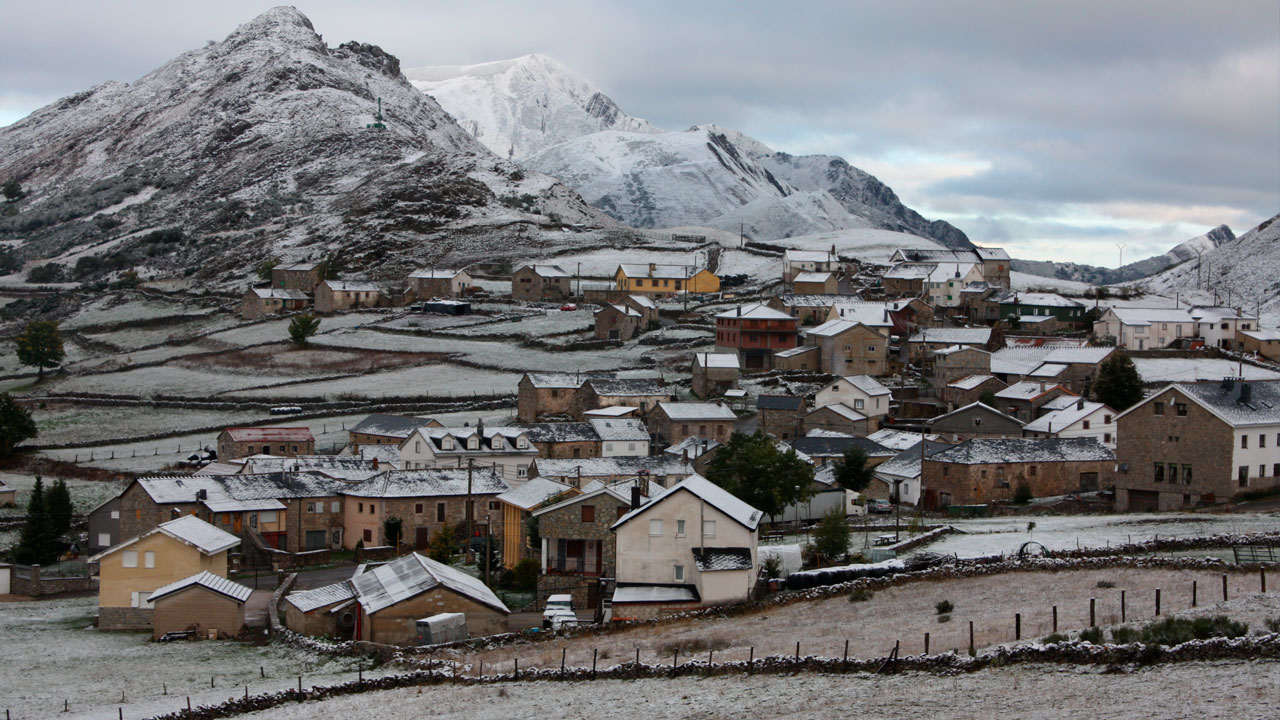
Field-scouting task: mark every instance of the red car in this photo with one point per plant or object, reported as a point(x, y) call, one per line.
point(570, 306)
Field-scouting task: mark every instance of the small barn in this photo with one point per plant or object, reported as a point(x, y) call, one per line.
point(210, 605)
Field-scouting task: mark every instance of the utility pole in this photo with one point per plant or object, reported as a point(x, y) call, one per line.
point(488, 552)
point(470, 468)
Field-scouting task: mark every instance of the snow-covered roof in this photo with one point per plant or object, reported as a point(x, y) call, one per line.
point(806, 300)
point(985, 451)
point(945, 271)
point(669, 272)
point(867, 384)
point(1059, 403)
point(1047, 370)
point(811, 277)
point(624, 594)
point(1018, 361)
point(628, 387)
point(429, 482)
point(1218, 314)
point(791, 352)
point(991, 253)
point(244, 505)
point(831, 328)
point(952, 336)
point(298, 267)
point(1035, 319)
point(396, 426)
point(623, 466)
point(1059, 420)
point(906, 464)
point(898, 439)
point(820, 256)
point(1039, 300)
point(561, 432)
point(871, 314)
point(208, 581)
point(779, 402)
point(389, 454)
point(351, 286)
point(548, 271)
point(593, 491)
point(270, 434)
point(533, 492)
point(409, 576)
point(953, 349)
point(174, 489)
point(612, 411)
point(625, 310)
point(1078, 355)
point(187, 529)
point(309, 600)
point(279, 294)
point(978, 406)
point(1262, 335)
point(624, 429)
point(909, 271)
point(843, 411)
point(342, 467)
point(1262, 406)
point(755, 311)
point(969, 382)
point(1147, 316)
point(1026, 390)
point(696, 446)
point(716, 360)
point(816, 446)
point(707, 492)
point(435, 274)
point(696, 411)
point(643, 302)
point(555, 380)
point(716, 559)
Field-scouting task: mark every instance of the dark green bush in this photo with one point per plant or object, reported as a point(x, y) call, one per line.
point(944, 607)
point(1093, 635)
point(1124, 635)
point(1175, 631)
point(1054, 638)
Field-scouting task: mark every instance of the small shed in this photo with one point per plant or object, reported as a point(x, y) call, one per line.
point(442, 628)
point(447, 307)
point(8, 495)
point(210, 605)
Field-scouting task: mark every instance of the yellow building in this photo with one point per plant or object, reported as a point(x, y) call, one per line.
point(661, 280)
point(130, 572)
point(518, 505)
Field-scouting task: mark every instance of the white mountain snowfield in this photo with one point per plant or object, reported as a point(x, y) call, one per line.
point(536, 110)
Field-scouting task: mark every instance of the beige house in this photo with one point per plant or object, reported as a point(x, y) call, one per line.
point(1145, 328)
point(506, 449)
point(847, 347)
point(797, 262)
point(209, 605)
point(537, 283)
point(8, 495)
point(130, 572)
point(437, 283)
point(694, 545)
point(335, 295)
point(857, 392)
point(260, 302)
point(713, 373)
point(1260, 342)
point(815, 283)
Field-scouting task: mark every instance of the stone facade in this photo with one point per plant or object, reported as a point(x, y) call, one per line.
point(536, 398)
point(857, 350)
point(335, 295)
point(578, 545)
point(541, 284)
point(617, 323)
point(781, 416)
point(297, 276)
point(711, 379)
point(825, 418)
point(421, 518)
point(975, 421)
point(949, 366)
point(196, 608)
point(397, 624)
point(947, 483)
point(957, 397)
point(236, 443)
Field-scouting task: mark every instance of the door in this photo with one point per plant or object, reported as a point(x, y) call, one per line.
point(1144, 500)
point(421, 537)
point(613, 334)
point(239, 522)
point(1088, 482)
point(315, 539)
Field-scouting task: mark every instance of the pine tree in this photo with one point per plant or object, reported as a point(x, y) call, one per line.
point(302, 327)
point(1119, 385)
point(34, 545)
point(852, 471)
point(58, 507)
point(16, 425)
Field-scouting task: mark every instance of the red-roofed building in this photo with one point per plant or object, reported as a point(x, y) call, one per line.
point(238, 442)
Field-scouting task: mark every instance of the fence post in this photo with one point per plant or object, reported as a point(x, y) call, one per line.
point(1193, 593)
point(1123, 606)
point(751, 659)
point(1224, 587)
point(972, 650)
point(1262, 576)
point(1157, 602)
point(845, 663)
point(517, 672)
point(1017, 626)
point(797, 651)
point(1093, 611)
point(637, 657)
point(563, 652)
point(1055, 618)
point(675, 658)
point(593, 664)
point(926, 643)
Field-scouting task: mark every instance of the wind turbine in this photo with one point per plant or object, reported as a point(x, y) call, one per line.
point(1122, 247)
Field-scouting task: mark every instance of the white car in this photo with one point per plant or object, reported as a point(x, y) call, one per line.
point(557, 605)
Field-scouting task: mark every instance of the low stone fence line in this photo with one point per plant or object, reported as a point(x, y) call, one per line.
point(31, 581)
point(1067, 653)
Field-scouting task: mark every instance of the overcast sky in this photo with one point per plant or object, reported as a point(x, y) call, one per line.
point(1055, 129)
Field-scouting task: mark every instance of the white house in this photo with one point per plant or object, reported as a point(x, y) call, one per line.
point(1145, 328)
point(621, 437)
point(507, 449)
point(1080, 418)
point(693, 545)
point(1218, 326)
point(860, 392)
point(947, 279)
point(795, 262)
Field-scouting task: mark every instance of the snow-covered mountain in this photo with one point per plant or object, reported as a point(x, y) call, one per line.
point(517, 107)
point(257, 146)
point(537, 111)
point(1133, 271)
point(1243, 272)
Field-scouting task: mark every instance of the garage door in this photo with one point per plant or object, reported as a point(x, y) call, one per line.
point(1144, 500)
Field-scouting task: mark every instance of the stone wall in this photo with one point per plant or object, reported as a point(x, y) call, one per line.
point(31, 581)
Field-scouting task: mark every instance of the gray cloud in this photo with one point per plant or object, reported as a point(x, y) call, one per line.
point(1069, 107)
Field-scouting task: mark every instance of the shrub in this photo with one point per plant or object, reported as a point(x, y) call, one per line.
point(1124, 635)
point(1106, 584)
point(944, 607)
point(860, 595)
point(1274, 625)
point(526, 575)
point(1022, 494)
point(1175, 631)
point(831, 538)
point(1054, 638)
point(1092, 635)
point(944, 618)
point(47, 273)
point(302, 327)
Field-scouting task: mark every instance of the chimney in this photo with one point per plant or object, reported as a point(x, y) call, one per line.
point(652, 268)
point(684, 454)
point(739, 309)
point(375, 463)
point(1080, 404)
point(635, 496)
point(1228, 384)
point(1246, 392)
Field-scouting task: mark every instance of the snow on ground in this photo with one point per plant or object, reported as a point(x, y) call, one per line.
point(107, 311)
point(85, 494)
point(277, 330)
point(497, 287)
point(865, 244)
point(438, 380)
point(65, 422)
point(169, 380)
point(604, 262)
point(548, 322)
point(1027, 281)
point(52, 654)
point(1005, 535)
point(133, 338)
point(1193, 369)
point(761, 268)
point(497, 355)
point(1035, 692)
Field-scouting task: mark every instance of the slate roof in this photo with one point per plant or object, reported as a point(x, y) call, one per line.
point(533, 493)
point(628, 387)
point(351, 286)
point(807, 300)
point(435, 274)
point(1218, 314)
point(549, 271)
point(561, 432)
point(643, 301)
point(708, 492)
point(833, 446)
point(411, 575)
point(309, 600)
point(592, 491)
point(1078, 355)
point(613, 411)
point(279, 294)
point(1025, 390)
point(831, 328)
point(871, 314)
point(842, 410)
point(298, 267)
point(555, 380)
point(710, 559)
point(389, 454)
point(908, 271)
point(396, 426)
point(779, 402)
point(696, 411)
point(1263, 335)
point(985, 451)
point(611, 466)
point(898, 439)
point(269, 434)
point(867, 385)
point(953, 336)
point(625, 310)
point(1146, 316)
point(906, 464)
point(341, 467)
point(429, 482)
point(208, 581)
point(792, 352)
point(1059, 420)
point(969, 382)
point(979, 406)
point(1048, 370)
point(821, 256)
point(1018, 360)
point(716, 360)
point(693, 444)
point(620, 429)
point(1262, 407)
point(171, 489)
point(953, 349)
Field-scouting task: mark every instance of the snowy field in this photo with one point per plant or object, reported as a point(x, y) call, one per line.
point(1027, 281)
point(64, 423)
point(548, 322)
point(52, 654)
point(865, 244)
point(497, 355)
point(85, 494)
point(437, 380)
point(1193, 369)
point(603, 263)
point(1005, 535)
point(170, 380)
point(1231, 690)
point(277, 330)
point(108, 311)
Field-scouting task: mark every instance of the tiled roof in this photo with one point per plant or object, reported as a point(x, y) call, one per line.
point(709, 559)
point(209, 581)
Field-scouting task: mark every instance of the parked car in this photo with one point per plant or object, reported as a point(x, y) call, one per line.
point(568, 307)
point(879, 506)
point(557, 605)
point(564, 619)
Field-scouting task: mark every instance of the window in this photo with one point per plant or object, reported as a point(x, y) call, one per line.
point(140, 600)
point(129, 559)
point(946, 470)
point(1181, 408)
point(1262, 440)
point(439, 512)
point(982, 474)
point(104, 539)
point(311, 507)
point(1244, 442)
point(977, 422)
point(1243, 475)
point(417, 446)
point(679, 528)
point(522, 471)
point(368, 535)
point(115, 514)
point(1031, 470)
point(495, 505)
point(1086, 425)
point(679, 573)
point(1186, 474)
point(1106, 437)
point(1262, 471)
point(588, 513)
point(1000, 478)
point(1157, 408)
point(334, 506)
point(522, 442)
point(655, 528)
point(1173, 473)
point(1159, 472)
point(859, 404)
point(871, 348)
point(1275, 470)
point(1106, 419)
point(149, 559)
point(417, 508)
point(359, 507)
point(631, 446)
point(709, 528)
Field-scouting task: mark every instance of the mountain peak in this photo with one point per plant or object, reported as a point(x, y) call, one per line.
point(283, 23)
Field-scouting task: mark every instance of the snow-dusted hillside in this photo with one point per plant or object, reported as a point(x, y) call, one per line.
point(257, 146)
point(517, 107)
point(535, 109)
point(1133, 271)
point(868, 244)
point(1243, 272)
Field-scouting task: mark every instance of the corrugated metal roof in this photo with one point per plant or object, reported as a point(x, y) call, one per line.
point(533, 493)
point(409, 576)
point(208, 581)
point(654, 594)
point(309, 600)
